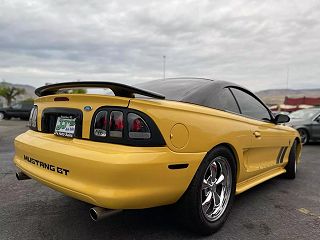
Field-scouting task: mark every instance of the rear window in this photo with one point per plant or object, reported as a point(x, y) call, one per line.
point(173, 89)
point(304, 114)
point(225, 101)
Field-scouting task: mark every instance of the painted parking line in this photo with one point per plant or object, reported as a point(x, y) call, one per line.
point(308, 212)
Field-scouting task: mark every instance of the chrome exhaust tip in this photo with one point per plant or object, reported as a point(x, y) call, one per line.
point(98, 213)
point(22, 176)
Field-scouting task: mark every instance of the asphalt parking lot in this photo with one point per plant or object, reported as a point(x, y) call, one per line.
point(276, 209)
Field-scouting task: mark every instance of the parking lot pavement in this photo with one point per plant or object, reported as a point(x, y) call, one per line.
point(276, 209)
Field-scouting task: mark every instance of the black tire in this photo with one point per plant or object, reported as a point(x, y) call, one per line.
point(305, 137)
point(190, 205)
point(291, 167)
point(2, 115)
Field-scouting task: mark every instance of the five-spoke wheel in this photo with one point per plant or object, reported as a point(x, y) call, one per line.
point(216, 188)
point(208, 200)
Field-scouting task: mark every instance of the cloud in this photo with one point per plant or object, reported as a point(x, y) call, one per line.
point(253, 43)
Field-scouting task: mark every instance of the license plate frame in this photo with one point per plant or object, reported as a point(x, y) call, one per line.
point(65, 126)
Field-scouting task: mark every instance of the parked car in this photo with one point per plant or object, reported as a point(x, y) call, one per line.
point(20, 110)
point(307, 122)
point(193, 142)
point(275, 113)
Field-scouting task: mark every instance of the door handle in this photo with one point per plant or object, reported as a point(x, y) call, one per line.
point(257, 134)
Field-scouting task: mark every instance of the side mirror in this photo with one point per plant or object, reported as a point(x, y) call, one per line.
point(281, 118)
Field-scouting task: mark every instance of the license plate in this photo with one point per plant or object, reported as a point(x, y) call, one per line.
point(65, 126)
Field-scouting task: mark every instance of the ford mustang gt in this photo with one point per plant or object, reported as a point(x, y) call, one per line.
point(191, 142)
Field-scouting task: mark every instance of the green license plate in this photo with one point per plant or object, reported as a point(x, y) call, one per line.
point(65, 127)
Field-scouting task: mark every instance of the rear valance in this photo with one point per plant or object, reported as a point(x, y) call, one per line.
point(118, 89)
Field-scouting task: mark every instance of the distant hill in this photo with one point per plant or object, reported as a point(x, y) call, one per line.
point(271, 96)
point(276, 96)
point(28, 94)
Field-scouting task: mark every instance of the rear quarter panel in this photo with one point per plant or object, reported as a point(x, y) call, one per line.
point(206, 127)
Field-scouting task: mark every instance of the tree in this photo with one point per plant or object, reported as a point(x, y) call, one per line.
point(10, 93)
point(28, 100)
point(73, 91)
point(78, 91)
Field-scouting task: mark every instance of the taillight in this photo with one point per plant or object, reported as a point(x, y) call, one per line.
point(138, 128)
point(125, 126)
point(33, 118)
point(100, 124)
point(116, 124)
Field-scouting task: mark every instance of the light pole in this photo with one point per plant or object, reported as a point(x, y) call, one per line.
point(288, 71)
point(164, 67)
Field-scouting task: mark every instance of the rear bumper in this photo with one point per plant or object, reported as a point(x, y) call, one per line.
point(106, 175)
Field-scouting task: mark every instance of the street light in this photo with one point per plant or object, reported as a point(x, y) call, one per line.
point(164, 67)
point(288, 71)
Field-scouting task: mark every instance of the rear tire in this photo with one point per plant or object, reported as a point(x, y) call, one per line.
point(304, 136)
point(207, 202)
point(1, 116)
point(291, 167)
point(4, 116)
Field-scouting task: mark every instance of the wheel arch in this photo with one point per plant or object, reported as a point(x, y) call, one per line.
point(234, 153)
point(305, 129)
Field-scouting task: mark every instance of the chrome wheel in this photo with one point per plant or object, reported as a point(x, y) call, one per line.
point(216, 188)
point(1, 115)
point(304, 136)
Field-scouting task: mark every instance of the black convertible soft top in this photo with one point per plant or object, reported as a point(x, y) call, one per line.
point(200, 91)
point(117, 88)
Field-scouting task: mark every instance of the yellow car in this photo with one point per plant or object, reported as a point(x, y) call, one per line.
point(195, 142)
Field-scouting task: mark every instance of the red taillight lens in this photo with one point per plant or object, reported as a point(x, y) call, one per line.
point(137, 125)
point(100, 124)
point(125, 126)
point(116, 124)
point(138, 128)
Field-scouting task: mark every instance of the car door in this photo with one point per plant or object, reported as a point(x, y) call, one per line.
point(269, 142)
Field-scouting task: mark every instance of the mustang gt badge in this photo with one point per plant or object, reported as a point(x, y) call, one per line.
point(87, 108)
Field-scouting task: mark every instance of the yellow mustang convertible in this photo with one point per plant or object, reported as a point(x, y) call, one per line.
point(195, 142)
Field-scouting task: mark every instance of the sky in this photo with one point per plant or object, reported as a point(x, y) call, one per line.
point(257, 44)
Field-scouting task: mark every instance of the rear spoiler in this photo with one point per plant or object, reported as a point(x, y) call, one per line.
point(118, 89)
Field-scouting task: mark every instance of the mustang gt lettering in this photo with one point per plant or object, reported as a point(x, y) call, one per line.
point(46, 165)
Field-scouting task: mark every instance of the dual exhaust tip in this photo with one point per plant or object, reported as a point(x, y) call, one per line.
point(22, 176)
point(99, 213)
point(96, 213)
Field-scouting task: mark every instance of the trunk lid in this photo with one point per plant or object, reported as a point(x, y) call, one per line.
point(80, 106)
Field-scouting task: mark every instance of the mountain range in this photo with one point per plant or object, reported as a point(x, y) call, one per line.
point(270, 96)
point(29, 92)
